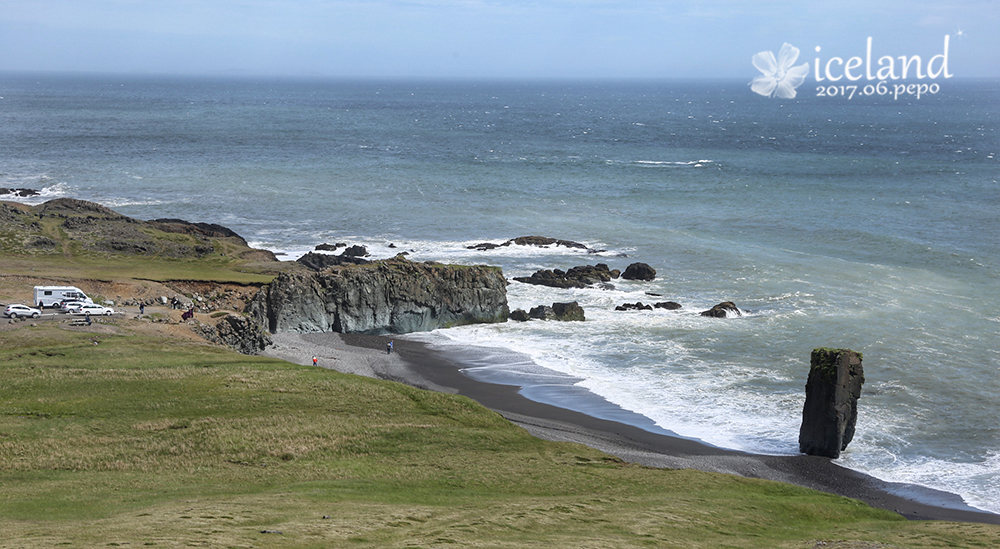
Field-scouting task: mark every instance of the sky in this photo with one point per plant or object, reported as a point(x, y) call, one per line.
point(482, 39)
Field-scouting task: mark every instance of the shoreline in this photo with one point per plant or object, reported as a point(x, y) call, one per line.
point(415, 363)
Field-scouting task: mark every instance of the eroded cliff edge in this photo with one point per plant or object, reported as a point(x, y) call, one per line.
point(392, 296)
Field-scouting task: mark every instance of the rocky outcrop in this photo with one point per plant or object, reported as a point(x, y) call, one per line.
point(519, 315)
point(637, 306)
point(22, 193)
point(723, 310)
point(831, 409)
point(324, 247)
point(241, 333)
point(203, 229)
point(668, 305)
point(571, 311)
point(540, 241)
point(389, 296)
point(318, 262)
point(577, 277)
point(639, 271)
point(356, 251)
point(568, 311)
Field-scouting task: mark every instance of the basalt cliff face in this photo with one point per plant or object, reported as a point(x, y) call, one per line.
point(383, 297)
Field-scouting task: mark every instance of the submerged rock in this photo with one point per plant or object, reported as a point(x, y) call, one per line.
point(542, 312)
point(577, 277)
point(23, 193)
point(355, 251)
point(639, 271)
point(637, 306)
point(830, 412)
point(520, 315)
point(571, 311)
point(723, 310)
point(540, 241)
point(324, 247)
point(318, 262)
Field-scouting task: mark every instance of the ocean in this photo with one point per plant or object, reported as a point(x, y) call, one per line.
point(870, 223)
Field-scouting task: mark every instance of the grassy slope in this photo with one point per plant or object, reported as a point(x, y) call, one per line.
point(146, 441)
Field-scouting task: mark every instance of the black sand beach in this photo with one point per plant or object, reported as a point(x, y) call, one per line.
point(418, 365)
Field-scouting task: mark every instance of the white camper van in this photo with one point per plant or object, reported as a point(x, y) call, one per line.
point(49, 296)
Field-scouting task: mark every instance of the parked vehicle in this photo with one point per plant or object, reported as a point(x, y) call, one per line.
point(49, 296)
point(16, 310)
point(68, 306)
point(92, 309)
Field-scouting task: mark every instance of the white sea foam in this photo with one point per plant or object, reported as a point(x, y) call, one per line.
point(121, 202)
point(457, 252)
point(977, 481)
point(672, 163)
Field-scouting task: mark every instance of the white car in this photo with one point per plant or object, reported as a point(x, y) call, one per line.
point(92, 309)
point(68, 306)
point(14, 311)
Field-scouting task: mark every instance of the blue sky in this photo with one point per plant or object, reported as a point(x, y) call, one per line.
point(482, 38)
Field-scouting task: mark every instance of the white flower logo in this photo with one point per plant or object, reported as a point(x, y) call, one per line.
point(780, 78)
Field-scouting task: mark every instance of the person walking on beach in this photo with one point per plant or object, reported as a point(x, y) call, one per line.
point(388, 348)
point(315, 361)
point(142, 309)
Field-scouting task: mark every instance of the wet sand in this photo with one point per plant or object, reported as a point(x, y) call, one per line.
point(418, 365)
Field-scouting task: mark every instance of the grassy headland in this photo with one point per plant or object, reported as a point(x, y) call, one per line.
point(69, 238)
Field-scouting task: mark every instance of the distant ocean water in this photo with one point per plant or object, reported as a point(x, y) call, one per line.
point(868, 223)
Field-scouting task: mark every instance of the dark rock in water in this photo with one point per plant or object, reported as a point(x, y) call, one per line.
point(668, 305)
point(485, 246)
point(540, 241)
point(519, 315)
point(391, 245)
point(831, 409)
point(577, 277)
point(542, 312)
point(22, 193)
point(355, 251)
point(606, 286)
point(723, 310)
point(389, 296)
point(571, 311)
point(543, 241)
point(318, 262)
point(238, 332)
point(654, 294)
point(324, 247)
point(639, 271)
point(637, 306)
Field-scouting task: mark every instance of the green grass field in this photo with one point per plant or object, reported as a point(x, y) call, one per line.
point(144, 441)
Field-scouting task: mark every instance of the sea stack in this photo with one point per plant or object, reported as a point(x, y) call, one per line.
point(831, 408)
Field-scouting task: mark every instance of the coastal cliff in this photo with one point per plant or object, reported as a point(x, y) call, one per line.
point(390, 296)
